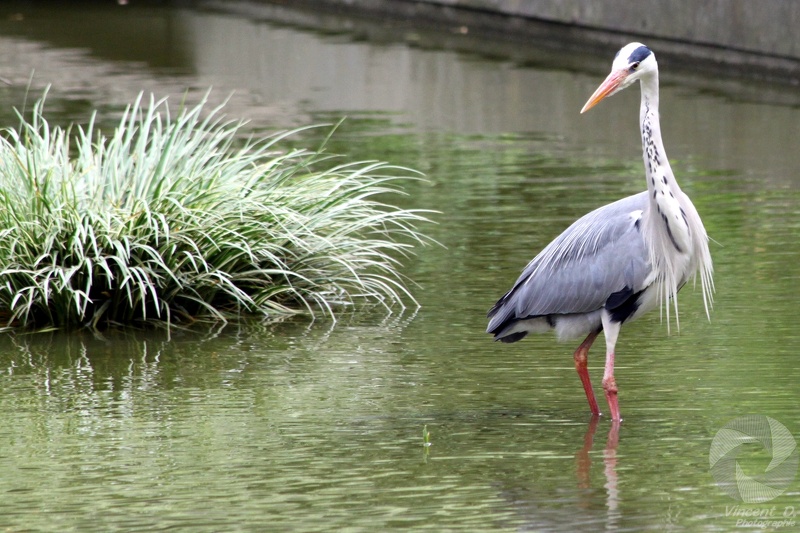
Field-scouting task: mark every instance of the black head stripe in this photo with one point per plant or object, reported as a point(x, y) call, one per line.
point(639, 54)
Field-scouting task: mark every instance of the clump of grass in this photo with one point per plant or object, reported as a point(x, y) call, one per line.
point(174, 219)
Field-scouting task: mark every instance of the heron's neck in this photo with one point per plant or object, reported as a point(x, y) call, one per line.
point(668, 218)
point(671, 228)
point(655, 157)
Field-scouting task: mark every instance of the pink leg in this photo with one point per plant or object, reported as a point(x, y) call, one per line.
point(610, 388)
point(581, 360)
point(611, 331)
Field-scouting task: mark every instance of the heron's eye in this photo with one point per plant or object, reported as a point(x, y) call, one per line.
point(635, 66)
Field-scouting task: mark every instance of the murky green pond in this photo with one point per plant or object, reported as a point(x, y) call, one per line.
point(318, 426)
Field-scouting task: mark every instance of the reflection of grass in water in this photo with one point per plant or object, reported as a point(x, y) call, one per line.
point(171, 219)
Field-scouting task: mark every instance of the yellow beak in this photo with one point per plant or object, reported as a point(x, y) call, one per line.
point(609, 85)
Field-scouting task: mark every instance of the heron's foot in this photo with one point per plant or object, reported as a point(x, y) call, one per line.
point(610, 388)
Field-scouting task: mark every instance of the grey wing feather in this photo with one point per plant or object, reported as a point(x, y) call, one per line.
point(599, 255)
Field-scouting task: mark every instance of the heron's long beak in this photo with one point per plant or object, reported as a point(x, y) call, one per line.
point(607, 88)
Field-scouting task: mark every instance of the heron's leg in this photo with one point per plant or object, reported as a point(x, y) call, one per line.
point(581, 359)
point(611, 332)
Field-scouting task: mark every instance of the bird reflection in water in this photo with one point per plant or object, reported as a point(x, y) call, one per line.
point(583, 466)
point(554, 500)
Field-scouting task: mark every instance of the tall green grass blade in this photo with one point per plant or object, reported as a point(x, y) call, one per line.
point(178, 219)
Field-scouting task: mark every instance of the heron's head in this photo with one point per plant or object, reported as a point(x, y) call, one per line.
point(632, 62)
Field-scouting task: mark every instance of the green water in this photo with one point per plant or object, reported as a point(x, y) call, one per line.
point(302, 426)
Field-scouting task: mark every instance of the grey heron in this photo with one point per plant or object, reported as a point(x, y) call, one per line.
point(619, 261)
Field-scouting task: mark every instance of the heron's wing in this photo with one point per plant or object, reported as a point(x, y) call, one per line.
point(601, 256)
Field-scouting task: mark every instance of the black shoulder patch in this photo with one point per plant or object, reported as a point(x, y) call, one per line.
point(622, 304)
point(639, 54)
point(618, 298)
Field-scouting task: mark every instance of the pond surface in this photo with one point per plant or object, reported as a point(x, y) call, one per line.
point(319, 426)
